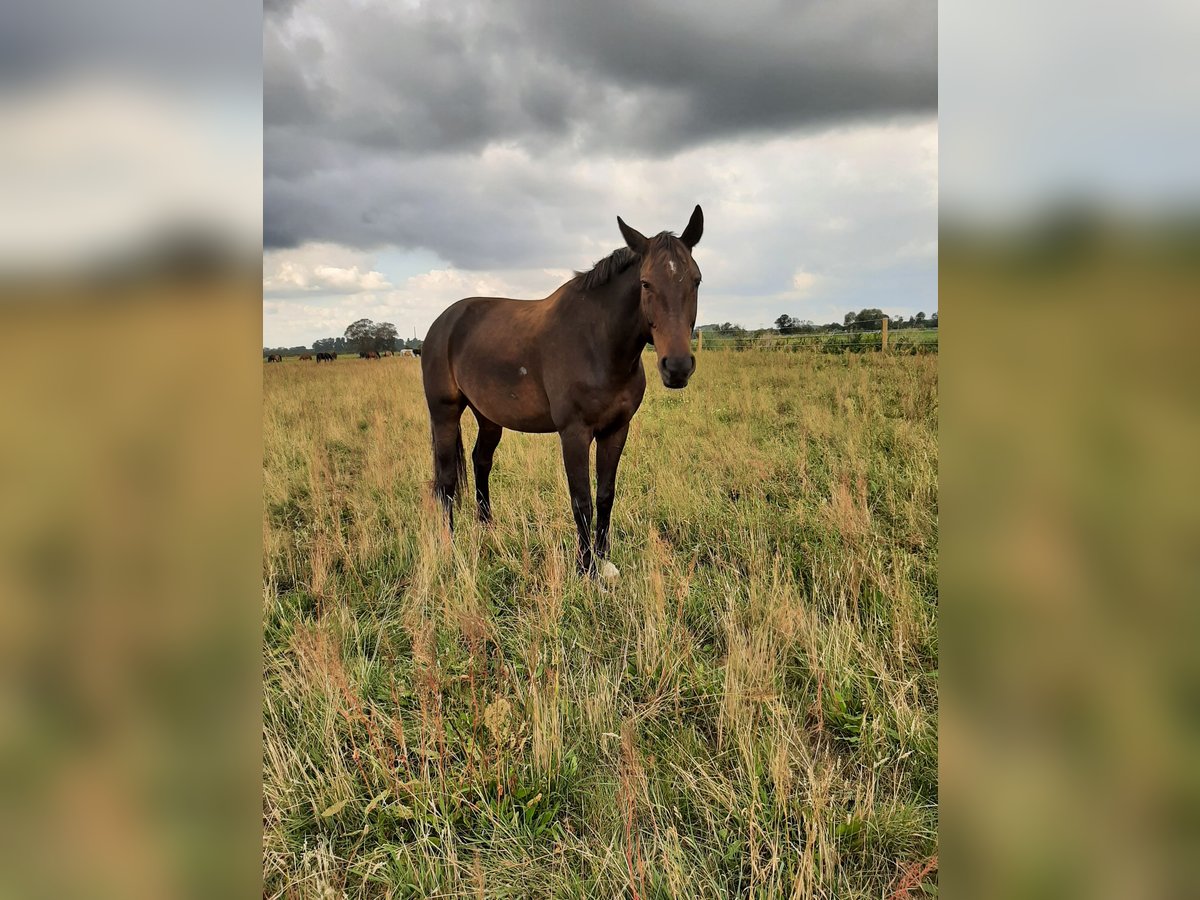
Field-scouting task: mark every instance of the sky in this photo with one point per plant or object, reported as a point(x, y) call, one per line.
point(416, 153)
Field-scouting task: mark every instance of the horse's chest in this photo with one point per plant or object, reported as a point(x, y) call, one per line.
point(614, 403)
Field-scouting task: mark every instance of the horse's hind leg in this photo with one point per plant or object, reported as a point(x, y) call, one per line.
point(448, 459)
point(485, 447)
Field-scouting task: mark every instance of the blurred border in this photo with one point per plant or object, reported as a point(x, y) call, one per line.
point(130, 451)
point(1069, 272)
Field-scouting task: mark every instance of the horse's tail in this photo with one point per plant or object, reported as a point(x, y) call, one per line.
point(460, 463)
point(460, 460)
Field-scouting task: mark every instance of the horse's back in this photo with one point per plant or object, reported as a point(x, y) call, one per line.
point(474, 325)
point(484, 351)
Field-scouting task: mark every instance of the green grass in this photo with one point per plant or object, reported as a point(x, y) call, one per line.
point(751, 711)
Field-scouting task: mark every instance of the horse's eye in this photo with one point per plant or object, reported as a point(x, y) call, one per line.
point(646, 285)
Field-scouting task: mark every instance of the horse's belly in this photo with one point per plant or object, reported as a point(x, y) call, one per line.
point(521, 420)
point(517, 404)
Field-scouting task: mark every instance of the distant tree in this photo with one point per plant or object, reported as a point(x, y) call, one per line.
point(933, 320)
point(867, 319)
point(385, 337)
point(785, 324)
point(849, 319)
point(920, 319)
point(360, 335)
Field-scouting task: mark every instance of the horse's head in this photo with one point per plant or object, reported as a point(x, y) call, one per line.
point(670, 279)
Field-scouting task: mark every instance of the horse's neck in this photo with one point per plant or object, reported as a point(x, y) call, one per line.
point(616, 311)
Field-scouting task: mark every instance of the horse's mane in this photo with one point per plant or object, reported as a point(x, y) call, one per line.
point(617, 262)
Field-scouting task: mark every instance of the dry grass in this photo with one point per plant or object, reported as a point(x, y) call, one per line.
point(751, 711)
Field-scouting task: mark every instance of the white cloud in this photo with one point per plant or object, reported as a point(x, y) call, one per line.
point(290, 277)
point(320, 269)
point(803, 281)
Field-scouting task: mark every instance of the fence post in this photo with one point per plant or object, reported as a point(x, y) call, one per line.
point(699, 341)
point(885, 321)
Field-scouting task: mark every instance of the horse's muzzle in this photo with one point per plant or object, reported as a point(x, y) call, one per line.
point(676, 370)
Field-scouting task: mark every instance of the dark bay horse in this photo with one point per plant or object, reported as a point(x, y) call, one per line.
point(571, 363)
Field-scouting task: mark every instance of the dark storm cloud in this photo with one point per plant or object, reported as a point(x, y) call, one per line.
point(473, 212)
point(748, 66)
point(624, 75)
point(378, 117)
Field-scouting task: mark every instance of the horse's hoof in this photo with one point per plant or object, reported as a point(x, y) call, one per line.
point(608, 572)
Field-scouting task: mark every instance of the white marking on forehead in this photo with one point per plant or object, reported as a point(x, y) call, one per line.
point(671, 263)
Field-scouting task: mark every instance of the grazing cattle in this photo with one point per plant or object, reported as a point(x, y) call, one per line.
point(322, 357)
point(274, 357)
point(306, 356)
point(368, 354)
point(416, 353)
point(406, 353)
point(571, 363)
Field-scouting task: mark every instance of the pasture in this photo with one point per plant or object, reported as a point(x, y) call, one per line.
point(751, 711)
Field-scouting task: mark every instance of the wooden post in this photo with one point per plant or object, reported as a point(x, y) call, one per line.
point(699, 341)
point(885, 321)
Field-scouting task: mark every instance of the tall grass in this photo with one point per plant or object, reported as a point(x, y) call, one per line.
point(750, 711)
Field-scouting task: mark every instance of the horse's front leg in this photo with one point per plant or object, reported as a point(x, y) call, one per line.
point(576, 447)
point(608, 455)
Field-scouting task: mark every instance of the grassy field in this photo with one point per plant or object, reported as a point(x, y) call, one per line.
point(750, 712)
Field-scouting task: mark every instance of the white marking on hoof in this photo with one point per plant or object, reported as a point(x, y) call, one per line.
point(609, 572)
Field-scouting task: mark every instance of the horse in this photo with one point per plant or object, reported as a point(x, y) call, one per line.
point(570, 363)
point(306, 356)
point(274, 357)
point(368, 354)
point(323, 356)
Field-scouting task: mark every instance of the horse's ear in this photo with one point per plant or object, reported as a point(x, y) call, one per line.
point(634, 239)
point(695, 228)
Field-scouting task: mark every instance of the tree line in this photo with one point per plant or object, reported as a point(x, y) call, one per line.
point(361, 336)
point(864, 320)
